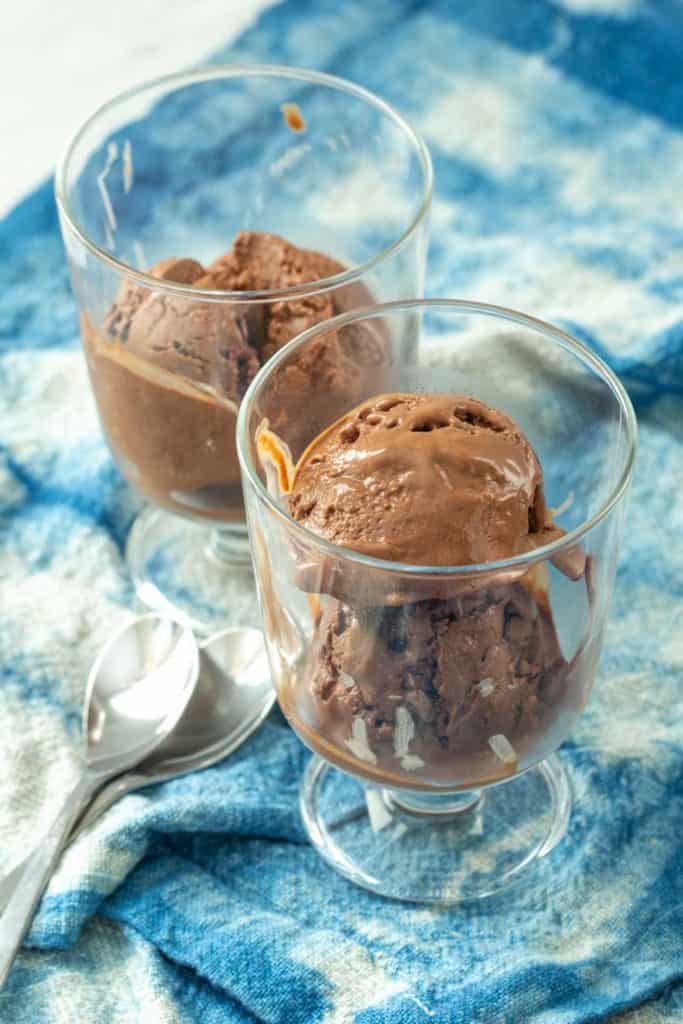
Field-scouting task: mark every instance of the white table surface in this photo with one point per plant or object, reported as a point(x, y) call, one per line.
point(60, 61)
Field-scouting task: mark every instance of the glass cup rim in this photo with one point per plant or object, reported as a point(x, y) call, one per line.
point(529, 558)
point(180, 79)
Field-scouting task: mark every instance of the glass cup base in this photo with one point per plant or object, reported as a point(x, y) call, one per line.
point(202, 575)
point(441, 848)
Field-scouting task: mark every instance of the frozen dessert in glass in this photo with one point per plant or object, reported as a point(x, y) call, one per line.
point(434, 569)
point(209, 217)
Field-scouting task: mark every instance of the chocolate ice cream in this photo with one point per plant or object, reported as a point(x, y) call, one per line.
point(424, 480)
point(447, 690)
point(260, 262)
point(169, 371)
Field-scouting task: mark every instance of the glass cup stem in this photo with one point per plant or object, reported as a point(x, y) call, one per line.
point(431, 805)
point(228, 545)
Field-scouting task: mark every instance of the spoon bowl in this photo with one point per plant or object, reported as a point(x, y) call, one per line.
point(138, 688)
point(233, 695)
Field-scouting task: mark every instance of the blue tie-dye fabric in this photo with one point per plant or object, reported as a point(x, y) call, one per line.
point(557, 136)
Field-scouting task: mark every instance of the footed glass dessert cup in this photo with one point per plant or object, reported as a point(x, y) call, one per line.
point(208, 218)
point(434, 696)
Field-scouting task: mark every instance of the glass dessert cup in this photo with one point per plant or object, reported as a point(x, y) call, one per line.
point(434, 698)
point(154, 187)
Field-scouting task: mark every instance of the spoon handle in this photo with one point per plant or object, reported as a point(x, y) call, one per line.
point(18, 914)
point(92, 811)
point(105, 799)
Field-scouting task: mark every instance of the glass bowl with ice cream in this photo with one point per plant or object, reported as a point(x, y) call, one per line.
point(209, 217)
point(434, 568)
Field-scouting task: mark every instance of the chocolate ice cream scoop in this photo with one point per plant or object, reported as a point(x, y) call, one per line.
point(424, 480)
point(448, 680)
point(427, 690)
point(206, 342)
point(131, 296)
point(259, 261)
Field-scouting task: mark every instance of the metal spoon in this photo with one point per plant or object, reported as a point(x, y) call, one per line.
point(137, 689)
point(232, 697)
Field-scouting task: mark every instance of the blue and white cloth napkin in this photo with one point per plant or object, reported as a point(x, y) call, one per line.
point(556, 128)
